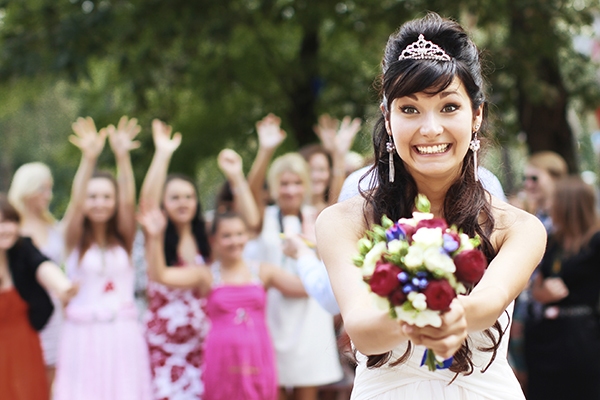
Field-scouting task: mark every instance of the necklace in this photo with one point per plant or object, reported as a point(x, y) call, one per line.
point(109, 285)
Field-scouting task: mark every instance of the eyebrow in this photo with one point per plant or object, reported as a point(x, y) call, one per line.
point(443, 94)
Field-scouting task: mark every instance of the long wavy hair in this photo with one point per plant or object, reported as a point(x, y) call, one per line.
point(466, 204)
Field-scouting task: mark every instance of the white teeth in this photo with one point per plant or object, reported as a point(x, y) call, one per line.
point(439, 148)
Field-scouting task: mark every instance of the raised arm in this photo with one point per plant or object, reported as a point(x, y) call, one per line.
point(121, 142)
point(270, 136)
point(287, 283)
point(339, 228)
point(164, 146)
point(230, 164)
point(90, 142)
point(154, 223)
point(337, 139)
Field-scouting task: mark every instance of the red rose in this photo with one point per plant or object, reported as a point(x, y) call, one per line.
point(439, 295)
point(409, 230)
point(397, 297)
point(470, 266)
point(433, 223)
point(384, 279)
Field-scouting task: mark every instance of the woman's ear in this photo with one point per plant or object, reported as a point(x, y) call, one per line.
point(478, 118)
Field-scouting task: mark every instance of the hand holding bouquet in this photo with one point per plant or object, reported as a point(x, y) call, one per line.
point(416, 266)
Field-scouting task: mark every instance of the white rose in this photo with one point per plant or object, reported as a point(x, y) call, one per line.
point(428, 317)
point(372, 257)
point(428, 237)
point(418, 300)
point(414, 257)
point(395, 246)
point(465, 243)
point(438, 260)
point(419, 216)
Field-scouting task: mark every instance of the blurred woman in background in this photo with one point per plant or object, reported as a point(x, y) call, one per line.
point(30, 193)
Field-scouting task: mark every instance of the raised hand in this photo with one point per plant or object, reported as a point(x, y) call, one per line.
point(121, 138)
point(161, 134)
point(337, 138)
point(87, 138)
point(230, 163)
point(152, 220)
point(270, 134)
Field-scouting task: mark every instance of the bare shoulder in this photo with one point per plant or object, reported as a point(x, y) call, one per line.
point(509, 220)
point(345, 217)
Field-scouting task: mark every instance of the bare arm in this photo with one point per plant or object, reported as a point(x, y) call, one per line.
point(339, 227)
point(90, 142)
point(520, 239)
point(121, 142)
point(154, 223)
point(270, 136)
point(164, 145)
point(337, 139)
point(230, 164)
point(288, 284)
point(51, 277)
point(521, 242)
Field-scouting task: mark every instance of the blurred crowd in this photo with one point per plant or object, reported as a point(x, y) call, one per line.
point(152, 297)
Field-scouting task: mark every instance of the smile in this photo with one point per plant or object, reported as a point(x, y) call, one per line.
point(438, 148)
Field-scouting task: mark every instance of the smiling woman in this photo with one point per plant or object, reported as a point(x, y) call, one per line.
point(100, 333)
point(426, 142)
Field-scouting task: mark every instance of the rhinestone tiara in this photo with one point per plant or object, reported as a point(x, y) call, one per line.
point(423, 50)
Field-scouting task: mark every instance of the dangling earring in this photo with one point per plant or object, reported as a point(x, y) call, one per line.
point(389, 146)
point(474, 146)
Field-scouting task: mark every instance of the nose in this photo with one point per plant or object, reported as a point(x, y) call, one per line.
point(430, 126)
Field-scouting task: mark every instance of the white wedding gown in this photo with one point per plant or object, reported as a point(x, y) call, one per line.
point(411, 381)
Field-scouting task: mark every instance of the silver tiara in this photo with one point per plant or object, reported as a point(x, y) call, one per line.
point(424, 50)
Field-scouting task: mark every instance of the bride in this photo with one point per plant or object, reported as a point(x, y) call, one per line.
point(426, 141)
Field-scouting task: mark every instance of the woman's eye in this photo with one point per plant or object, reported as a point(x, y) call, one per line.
point(408, 110)
point(450, 108)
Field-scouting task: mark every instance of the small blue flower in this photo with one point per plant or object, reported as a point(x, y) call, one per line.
point(421, 274)
point(403, 277)
point(406, 289)
point(450, 244)
point(423, 283)
point(395, 232)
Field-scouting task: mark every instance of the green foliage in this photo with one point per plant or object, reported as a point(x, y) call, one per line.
point(212, 68)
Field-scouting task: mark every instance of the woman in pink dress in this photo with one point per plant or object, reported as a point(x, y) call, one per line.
point(102, 353)
point(176, 324)
point(239, 356)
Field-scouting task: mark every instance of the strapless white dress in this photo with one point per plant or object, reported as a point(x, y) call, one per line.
point(411, 381)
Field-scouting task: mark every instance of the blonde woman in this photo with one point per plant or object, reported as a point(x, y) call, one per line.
point(31, 193)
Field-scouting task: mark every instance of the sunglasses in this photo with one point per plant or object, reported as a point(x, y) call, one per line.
point(532, 178)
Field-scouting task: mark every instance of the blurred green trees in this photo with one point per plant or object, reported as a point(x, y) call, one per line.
point(213, 68)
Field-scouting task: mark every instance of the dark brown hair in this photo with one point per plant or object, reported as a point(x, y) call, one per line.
point(466, 201)
point(574, 214)
point(113, 236)
point(9, 213)
point(198, 228)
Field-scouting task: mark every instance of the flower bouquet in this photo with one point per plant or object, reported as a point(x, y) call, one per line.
point(416, 266)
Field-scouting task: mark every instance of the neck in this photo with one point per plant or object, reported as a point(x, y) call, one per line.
point(435, 189)
point(99, 233)
point(289, 211)
point(231, 263)
point(183, 229)
point(29, 216)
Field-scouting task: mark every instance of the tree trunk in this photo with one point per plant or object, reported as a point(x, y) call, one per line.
point(304, 90)
point(546, 123)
